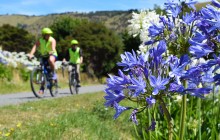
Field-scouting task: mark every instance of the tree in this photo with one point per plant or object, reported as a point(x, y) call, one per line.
point(101, 46)
point(15, 39)
point(130, 42)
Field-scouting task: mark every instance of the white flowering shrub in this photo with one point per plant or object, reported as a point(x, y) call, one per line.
point(15, 59)
point(139, 24)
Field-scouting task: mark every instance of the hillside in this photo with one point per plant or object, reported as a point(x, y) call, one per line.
point(115, 20)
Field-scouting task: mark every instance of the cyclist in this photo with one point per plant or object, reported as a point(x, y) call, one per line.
point(74, 56)
point(46, 46)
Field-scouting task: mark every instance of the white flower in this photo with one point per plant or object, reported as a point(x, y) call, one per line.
point(139, 25)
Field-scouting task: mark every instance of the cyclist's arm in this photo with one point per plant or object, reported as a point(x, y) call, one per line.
point(34, 48)
point(53, 44)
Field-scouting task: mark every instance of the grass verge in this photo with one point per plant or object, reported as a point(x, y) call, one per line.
point(74, 117)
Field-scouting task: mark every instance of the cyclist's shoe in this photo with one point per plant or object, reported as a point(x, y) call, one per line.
point(78, 85)
point(41, 91)
point(53, 76)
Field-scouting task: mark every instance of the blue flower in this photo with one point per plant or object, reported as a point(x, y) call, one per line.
point(150, 101)
point(199, 37)
point(174, 87)
point(216, 3)
point(129, 60)
point(155, 30)
point(133, 116)
point(199, 92)
point(152, 126)
point(199, 49)
point(188, 18)
point(138, 86)
point(118, 82)
point(158, 83)
point(161, 48)
point(113, 96)
point(178, 68)
point(212, 17)
point(119, 109)
point(217, 79)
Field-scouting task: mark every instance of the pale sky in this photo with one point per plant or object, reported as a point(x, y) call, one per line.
point(44, 7)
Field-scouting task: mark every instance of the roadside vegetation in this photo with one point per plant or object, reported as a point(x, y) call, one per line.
point(73, 117)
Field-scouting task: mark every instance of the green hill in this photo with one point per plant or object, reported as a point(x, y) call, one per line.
point(115, 20)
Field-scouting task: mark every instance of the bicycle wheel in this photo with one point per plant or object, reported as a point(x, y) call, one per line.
point(72, 84)
point(53, 88)
point(38, 82)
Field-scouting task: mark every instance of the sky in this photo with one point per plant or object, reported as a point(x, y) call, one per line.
point(44, 7)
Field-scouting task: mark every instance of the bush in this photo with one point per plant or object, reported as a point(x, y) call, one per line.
point(5, 72)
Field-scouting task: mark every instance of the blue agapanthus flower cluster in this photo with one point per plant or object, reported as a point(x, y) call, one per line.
point(146, 78)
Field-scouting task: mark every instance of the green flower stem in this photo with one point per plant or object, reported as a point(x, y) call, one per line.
point(183, 118)
point(199, 116)
point(149, 118)
point(169, 119)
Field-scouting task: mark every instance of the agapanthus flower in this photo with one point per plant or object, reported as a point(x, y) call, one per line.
point(113, 96)
point(171, 65)
point(138, 86)
point(119, 109)
point(150, 100)
point(133, 116)
point(158, 83)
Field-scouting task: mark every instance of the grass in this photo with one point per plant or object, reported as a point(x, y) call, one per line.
point(74, 117)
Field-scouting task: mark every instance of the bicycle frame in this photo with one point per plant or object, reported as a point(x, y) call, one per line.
point(42, 72)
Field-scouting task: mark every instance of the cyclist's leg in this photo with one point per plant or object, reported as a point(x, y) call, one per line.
point(52, 60)
point(70, 68)
point(78, 74)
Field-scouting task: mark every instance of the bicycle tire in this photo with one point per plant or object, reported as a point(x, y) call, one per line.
point(53, 88)
point(73, 84)
point(37, 80)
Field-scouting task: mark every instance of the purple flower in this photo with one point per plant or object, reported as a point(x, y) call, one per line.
point(133, 116)
point(129, 60)
point(188, 18)
point(216, 3)
point(200, 51)
point(113, 96)
point(199, 37)
point(150, 101)
point(158, 83)
point(212, 17)
point(178, 67)
point(119, 109)
point(155, 30)
point(199, 92)
point(152, 126)
point(138, 85)
point(174, 87)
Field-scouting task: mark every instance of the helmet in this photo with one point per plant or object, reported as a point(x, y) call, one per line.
point(47, 31)
point(74, 42)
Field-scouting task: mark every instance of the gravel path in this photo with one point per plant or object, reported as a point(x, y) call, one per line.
point(10, 99)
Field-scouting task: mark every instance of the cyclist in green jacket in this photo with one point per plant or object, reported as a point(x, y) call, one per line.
point(74, 56)
point(46, 46)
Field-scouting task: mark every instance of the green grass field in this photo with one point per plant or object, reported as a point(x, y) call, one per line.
point(75, 117)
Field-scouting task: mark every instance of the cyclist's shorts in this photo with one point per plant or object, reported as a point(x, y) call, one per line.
point(55, 57)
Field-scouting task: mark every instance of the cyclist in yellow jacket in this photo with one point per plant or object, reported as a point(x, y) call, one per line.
point(46, 46)
point(74, 56)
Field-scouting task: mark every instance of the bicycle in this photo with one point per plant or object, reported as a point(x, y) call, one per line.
point(41, 79)
point(72, 79)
